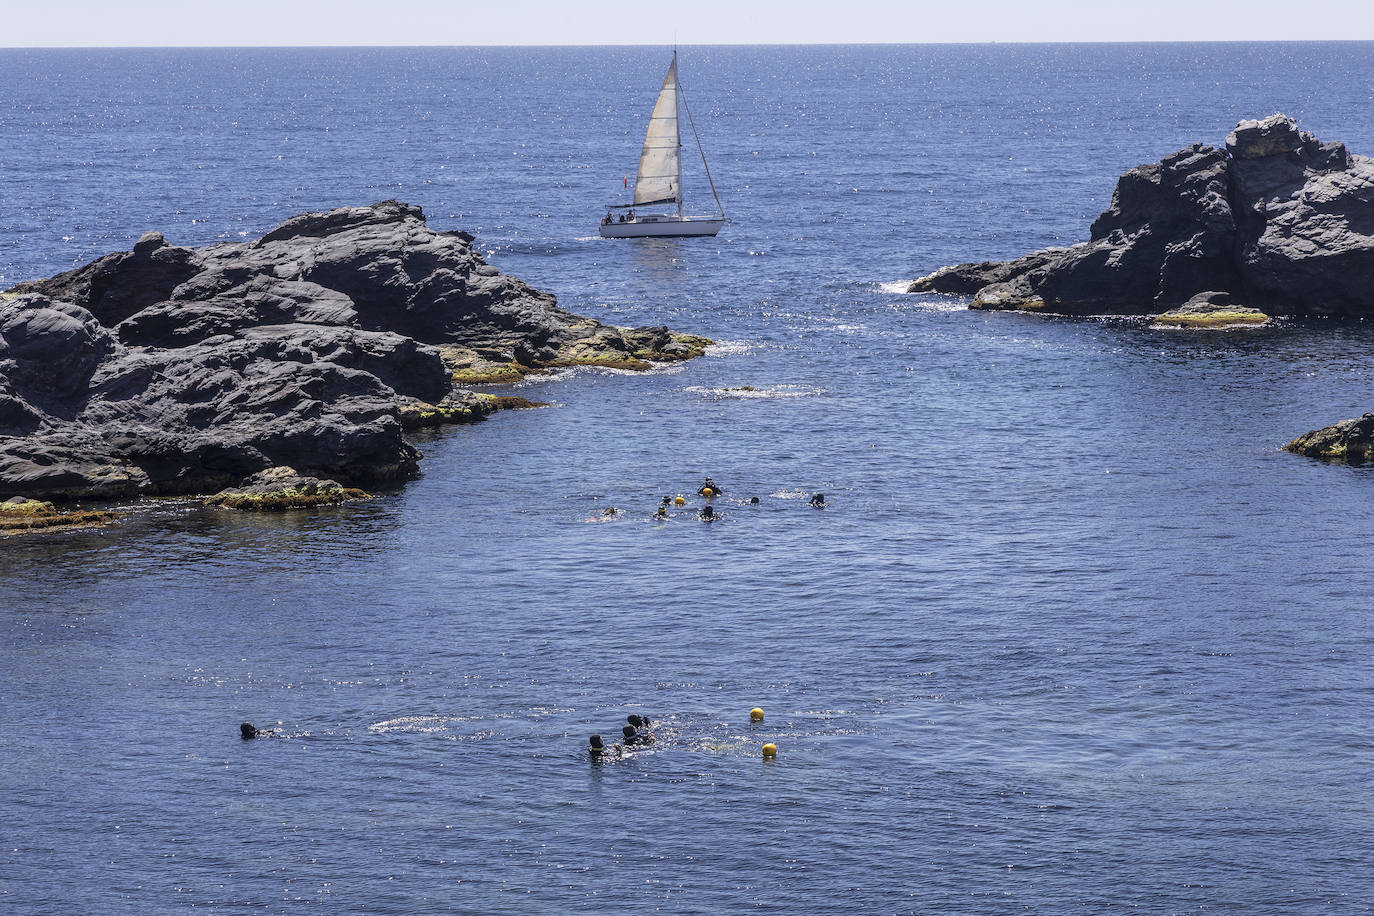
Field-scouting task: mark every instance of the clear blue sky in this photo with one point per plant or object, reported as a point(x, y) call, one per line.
point(48, 23)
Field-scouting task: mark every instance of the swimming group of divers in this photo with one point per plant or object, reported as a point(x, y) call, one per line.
point(709, 490)
point(634, 735)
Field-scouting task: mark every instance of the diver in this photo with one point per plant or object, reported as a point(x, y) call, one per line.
point(818, 501)
point(247, 731)
point(599, 751)
point(661, 512)
point(633, 737)
point(638, 721)
point(708, 514)
point(713, 487)
point(753, 500)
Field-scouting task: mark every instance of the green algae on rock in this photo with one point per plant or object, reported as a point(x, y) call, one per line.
point(281, 488)
point(1346, 442)
point(20, 514)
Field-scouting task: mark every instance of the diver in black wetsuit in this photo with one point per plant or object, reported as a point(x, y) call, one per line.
point(818, 501)
point(633, 737)
point(599, 751)
point(712, 486)
point(248, 731)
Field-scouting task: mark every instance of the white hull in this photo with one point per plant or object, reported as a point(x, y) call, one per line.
point(662, 227)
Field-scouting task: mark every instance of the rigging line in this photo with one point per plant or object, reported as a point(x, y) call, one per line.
point(692, 121)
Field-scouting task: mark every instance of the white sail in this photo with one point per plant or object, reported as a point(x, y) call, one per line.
point(660, 169)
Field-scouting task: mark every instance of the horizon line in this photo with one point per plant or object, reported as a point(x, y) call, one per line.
point(742, 44)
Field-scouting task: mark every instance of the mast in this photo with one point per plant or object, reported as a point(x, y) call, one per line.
point(677, 113)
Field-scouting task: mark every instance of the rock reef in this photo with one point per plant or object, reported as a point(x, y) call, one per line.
point(281, 488)
point(1346, 442)
point(185, 370)
point(1277, 221)
point(19, 514)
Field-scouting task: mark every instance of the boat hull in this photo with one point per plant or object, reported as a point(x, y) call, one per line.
point(661, 227)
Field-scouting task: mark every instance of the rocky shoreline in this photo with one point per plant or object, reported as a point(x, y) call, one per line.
point(172, 370)
point(1276, 223)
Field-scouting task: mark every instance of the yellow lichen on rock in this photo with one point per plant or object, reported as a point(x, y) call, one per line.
point(1219, 319)
point(490, 374)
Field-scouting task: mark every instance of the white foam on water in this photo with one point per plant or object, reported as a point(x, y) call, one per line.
point(750, 393)
point(730, 348)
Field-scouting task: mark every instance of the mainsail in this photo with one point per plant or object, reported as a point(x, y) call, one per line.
point(660, 170)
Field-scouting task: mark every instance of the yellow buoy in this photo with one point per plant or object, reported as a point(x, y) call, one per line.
point(707, 492)
point(679, 501)
point(770, 750)
point(756, 714)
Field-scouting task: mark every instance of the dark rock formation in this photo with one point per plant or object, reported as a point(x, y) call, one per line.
point(1277, 220)
point(166, 369)
point(1349, 441)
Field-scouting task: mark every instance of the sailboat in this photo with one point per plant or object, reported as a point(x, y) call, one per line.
point(659, 180)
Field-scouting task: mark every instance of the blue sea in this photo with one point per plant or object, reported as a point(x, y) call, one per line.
point(1072, 633)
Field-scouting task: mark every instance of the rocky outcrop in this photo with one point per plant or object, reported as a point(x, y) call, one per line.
point(1212, 310)
point(1349, 441)
point(1277, 220)
point(19, 515)
point(281, 488)
point(178, 370)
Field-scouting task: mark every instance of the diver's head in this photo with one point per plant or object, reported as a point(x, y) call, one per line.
point(628, 731)
point(596, 743)
point(708, 512)
point(634, 720)
point(247, 731)
point(754, 500)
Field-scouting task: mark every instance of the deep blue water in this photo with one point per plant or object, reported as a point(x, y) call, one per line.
point(1072, 634)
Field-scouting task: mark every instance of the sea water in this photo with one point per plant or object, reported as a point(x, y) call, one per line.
point(1071, 634)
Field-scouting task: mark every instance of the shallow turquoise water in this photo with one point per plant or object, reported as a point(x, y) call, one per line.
point(1071, 634)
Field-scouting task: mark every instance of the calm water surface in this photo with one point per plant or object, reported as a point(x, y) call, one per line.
point(1072, 634)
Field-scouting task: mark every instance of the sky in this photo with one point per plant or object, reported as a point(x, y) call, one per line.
point(121, 23)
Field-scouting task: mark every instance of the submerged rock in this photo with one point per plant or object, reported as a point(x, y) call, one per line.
point(1277, 219)
point(1349, 441)
point(180, 370)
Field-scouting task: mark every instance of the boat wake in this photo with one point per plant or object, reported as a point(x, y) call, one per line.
point(750, 393)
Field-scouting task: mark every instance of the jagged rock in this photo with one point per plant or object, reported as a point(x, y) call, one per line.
point(281, 488)
point(1349, 441)
point(1278, 219)
point(178, 370)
